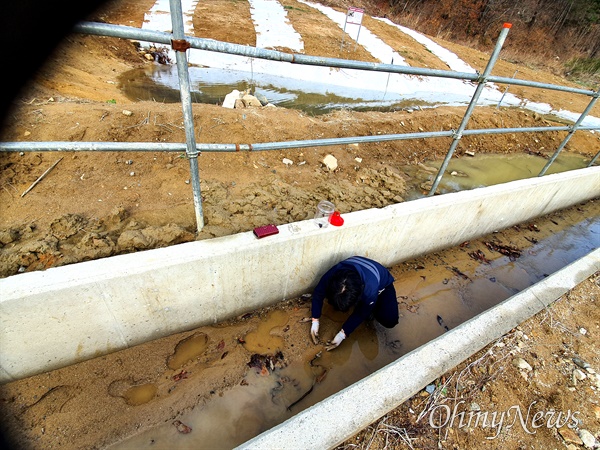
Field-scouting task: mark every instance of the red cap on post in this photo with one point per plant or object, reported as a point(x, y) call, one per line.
point(507, 25)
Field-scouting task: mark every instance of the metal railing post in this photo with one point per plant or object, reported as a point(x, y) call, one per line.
point(180, 45)
point(571, 132)
point(481, 84)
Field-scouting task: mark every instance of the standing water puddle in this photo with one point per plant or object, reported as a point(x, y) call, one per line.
point(482, 170)
point(210, 85)
point(432, 299)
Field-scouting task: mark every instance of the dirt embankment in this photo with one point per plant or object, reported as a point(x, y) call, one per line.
point(93, 205)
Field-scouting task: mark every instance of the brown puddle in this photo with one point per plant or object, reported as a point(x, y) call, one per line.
point(187, 350)
point(264, 339)
point(138, 395)
point(480, 170)
point(432, 297)
point(211, 85)
point(134, 393)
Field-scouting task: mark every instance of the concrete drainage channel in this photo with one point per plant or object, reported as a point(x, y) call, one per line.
point(118, 302)
point(335, 419)
point(106, 302)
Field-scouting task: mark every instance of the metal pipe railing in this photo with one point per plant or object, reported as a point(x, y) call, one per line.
point(594, 159)
point(58, 146)
point(180, 43)
point(159, 37)
point(186, 104)
point(481, 84)
point(103, 29)
point(571, 132)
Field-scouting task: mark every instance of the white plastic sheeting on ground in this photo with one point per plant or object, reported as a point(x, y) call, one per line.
point(361, 35)
point(273, 29)
point(350, 83)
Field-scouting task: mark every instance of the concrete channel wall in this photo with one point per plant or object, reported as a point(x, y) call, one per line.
point(340, 416)
point(54, 318)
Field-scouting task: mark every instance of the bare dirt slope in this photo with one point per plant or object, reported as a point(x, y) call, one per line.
point(93, 205)
point(110, 203)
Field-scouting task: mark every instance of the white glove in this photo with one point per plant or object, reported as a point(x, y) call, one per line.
point(314, 331)
point(337, 340)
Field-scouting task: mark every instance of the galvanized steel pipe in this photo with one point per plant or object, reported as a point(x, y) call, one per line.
point(121, 31)
point(186, 104)
point(572, 130)
point(482, 81)
point(58, 146)
point(192, 149)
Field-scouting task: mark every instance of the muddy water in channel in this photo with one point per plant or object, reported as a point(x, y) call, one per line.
point(432, 299)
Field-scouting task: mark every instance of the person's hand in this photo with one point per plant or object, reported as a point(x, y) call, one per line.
point(314, 331)
point(337, 340)
point(314, 328)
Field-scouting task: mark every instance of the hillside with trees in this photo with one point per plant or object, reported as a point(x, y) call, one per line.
point(563, 35)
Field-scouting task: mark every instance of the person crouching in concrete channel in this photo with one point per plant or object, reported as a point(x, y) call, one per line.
point(356, 282)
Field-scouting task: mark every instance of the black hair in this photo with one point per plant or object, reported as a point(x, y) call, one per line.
point(343, 289)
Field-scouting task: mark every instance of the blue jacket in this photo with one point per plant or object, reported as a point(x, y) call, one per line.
point(375, 279)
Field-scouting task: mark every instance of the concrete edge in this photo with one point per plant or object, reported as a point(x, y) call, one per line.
point(335, 419)
point(64, 315)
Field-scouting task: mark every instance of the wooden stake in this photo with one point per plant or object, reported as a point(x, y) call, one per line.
point(41, 177)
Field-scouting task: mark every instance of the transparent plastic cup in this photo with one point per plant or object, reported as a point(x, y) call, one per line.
point(324, 211)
